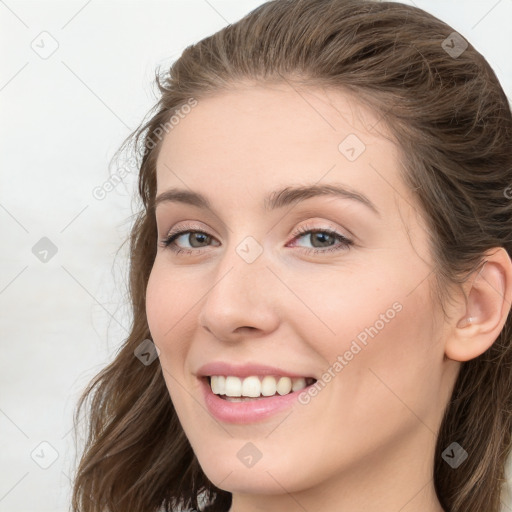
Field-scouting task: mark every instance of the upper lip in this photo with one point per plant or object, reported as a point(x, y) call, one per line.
point(244, 370)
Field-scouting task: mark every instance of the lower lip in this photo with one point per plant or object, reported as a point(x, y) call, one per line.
point(249, 411)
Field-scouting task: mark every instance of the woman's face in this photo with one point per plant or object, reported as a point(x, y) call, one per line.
point(265, 278)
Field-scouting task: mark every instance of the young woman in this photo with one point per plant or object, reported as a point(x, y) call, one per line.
point(322, 266)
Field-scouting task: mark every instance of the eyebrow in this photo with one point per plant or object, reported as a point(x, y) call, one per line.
point(277, 199)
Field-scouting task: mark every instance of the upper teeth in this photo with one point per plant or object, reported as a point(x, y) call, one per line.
point(253, 386)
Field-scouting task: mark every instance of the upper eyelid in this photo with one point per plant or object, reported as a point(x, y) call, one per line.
point(187, 228)
point(306, 227)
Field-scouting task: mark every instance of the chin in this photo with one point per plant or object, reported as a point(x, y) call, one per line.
point(248, 482)
point(262, 478)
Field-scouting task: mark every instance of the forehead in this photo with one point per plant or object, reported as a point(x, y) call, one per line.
point(253, 139)
point(277, 114)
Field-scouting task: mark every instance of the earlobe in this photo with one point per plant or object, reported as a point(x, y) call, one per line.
point(481, 318)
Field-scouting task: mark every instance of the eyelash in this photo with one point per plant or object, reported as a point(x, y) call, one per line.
point(344, 243)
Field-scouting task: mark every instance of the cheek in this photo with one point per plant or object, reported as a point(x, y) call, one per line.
point(394, 377)
point(349, 304)
point(156, 304)
point(377, 340)
point(167, 306)
point(165, 316)
point(167, 301)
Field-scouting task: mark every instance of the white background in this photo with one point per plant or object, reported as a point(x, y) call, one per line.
point(62, 119)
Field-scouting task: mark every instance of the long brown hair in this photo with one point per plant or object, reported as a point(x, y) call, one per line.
point(444, 104)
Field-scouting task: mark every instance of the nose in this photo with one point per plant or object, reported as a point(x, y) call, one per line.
point(241, 301)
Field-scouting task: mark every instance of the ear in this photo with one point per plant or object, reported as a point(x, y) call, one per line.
point(482, 315)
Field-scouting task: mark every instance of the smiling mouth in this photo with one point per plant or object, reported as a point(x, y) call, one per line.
point(235, 389)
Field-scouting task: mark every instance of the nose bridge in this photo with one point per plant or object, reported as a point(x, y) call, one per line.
point(239, 294)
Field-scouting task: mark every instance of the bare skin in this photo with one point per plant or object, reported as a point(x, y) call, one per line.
point(366, 441)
